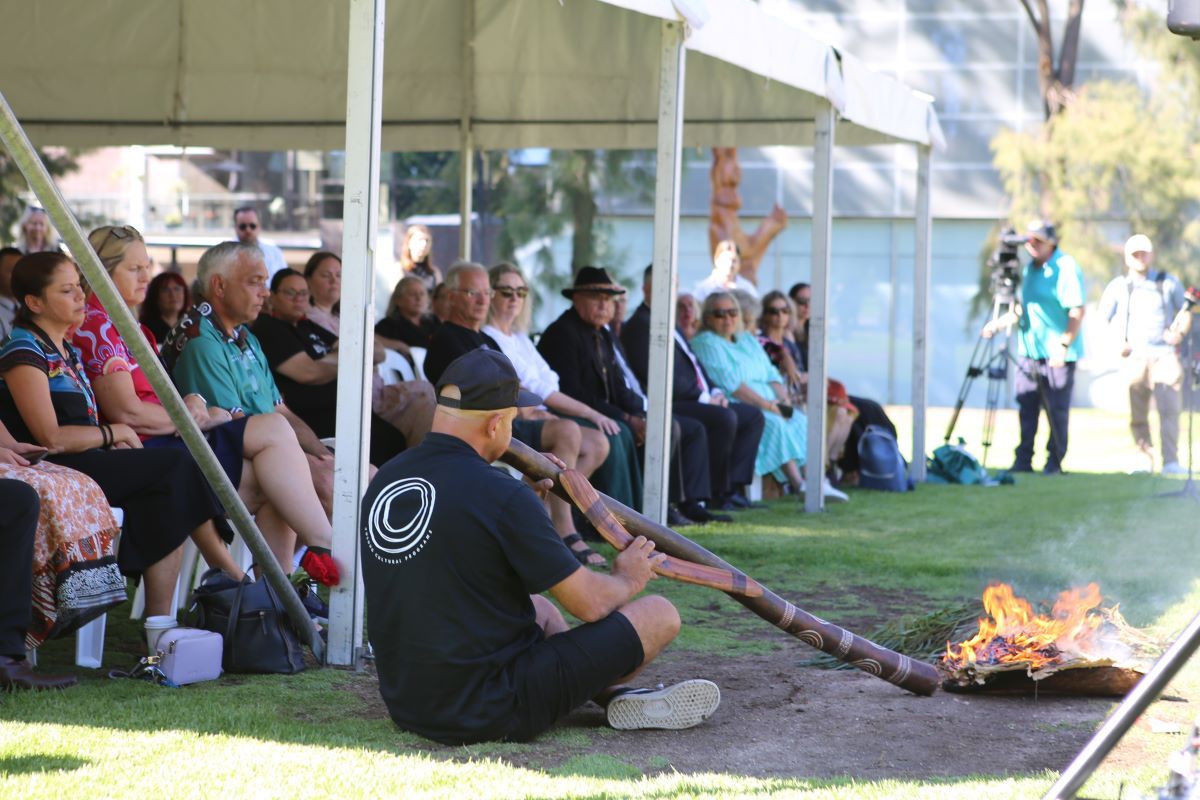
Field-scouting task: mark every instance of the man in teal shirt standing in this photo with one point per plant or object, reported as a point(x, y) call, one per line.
point(1048, 320)
point(213, 353)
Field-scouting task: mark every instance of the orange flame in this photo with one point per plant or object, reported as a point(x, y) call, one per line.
point(1013, 634)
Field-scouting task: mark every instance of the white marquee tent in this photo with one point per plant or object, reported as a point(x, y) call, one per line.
point(469, 74)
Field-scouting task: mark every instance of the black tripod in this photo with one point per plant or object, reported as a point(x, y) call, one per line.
point(992, 360)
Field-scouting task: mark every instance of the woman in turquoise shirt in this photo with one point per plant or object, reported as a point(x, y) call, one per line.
point(738, 364)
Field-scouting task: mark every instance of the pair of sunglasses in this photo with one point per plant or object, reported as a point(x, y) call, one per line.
point(124, 233)
point(778, 310)
point(510, 292)
point(724, 313)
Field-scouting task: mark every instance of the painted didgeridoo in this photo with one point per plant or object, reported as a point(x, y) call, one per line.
point(915, 676)
point(591, 503)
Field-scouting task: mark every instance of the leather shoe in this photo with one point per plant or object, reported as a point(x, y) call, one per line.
point(698, 513)
point(676, 519)
point(17, 674)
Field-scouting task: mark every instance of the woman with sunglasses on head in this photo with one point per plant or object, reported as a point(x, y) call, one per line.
point(47, 399)
point(259, 453)
point(508, 320)
point(738, 364)
point(167, 299)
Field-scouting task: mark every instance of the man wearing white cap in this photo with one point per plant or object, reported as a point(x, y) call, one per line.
point(1142, 309)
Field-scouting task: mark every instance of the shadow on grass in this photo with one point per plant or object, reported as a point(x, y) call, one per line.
point(29, 764)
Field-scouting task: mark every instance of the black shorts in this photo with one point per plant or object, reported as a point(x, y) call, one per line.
point(561, 673)
point(529, 431)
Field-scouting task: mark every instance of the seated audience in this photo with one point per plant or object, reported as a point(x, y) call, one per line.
point(416, 252)
point(738, 365)
point(727, 262)
point(75, 574)
point(732, 430)
point(869, 412)
point(687, 315)
point(408, 322)
point(323, 272)
point(259, 453)
point(774, 325)
point(581, 348)
point(19, 512)
point(463, 332)
point(167, 298)
point(46, 399)
point(439, 304)
point(212, 352)
point(508, 319)
point(303, 359)
point(466, 648)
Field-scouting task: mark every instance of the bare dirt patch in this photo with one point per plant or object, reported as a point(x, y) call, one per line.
point(780, 719)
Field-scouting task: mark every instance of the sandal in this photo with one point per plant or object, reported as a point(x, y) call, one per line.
point(583, 554)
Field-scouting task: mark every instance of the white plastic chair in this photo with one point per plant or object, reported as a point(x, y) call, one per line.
point(395, 368)
point(418, 357)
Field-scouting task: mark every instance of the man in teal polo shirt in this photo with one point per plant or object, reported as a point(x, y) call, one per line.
point(212, 352)
point(1048, 321)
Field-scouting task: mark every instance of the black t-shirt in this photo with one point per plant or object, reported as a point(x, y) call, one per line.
point(402, 329)
point(447, 587)
point(315, 404)
point(450, 342)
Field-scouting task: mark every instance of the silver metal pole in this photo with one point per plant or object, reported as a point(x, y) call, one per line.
point(27, 160)
point(364, 106)
point(822, 236)
point(1147, 690)
point(922, 265)
point(671, 75)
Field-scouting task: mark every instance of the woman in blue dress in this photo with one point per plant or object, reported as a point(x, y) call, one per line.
point(738, 364)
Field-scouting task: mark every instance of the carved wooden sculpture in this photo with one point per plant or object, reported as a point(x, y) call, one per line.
point(723, 222)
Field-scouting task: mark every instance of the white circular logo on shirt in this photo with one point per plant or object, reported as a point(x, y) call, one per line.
point(398, 522)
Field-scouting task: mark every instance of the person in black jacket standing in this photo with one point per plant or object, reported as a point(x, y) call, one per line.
point(583, 351)
point(733, 429)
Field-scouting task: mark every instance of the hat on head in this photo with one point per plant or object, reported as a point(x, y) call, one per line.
point(593, 279)
point(1042, 229)
point(1138, 243)
point(836, 395)
point(486, 381)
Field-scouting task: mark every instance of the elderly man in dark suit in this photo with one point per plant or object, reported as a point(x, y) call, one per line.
point(585, 354)
point(732, 429)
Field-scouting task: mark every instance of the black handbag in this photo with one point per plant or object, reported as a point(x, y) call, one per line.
point(258, 635)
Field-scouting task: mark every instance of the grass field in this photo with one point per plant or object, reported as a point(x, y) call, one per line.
point(318, 734)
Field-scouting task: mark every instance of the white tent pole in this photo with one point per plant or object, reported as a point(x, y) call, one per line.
point(466, 179)
point(921, 281)
point(466, 159)
point(360, 215)
point(822, 235)
point(672, 63)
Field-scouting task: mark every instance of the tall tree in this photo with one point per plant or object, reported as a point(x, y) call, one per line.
point(1056, 80)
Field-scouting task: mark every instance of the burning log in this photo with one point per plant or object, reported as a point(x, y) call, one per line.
point(915, 676)
point(1078, 648)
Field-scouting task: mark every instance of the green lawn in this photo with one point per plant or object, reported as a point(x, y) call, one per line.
point(318, 734)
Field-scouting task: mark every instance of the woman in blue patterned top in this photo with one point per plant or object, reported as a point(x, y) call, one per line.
point(738, 364)
point(45, 397)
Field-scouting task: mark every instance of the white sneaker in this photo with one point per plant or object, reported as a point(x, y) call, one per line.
point(683, 705)
point(835, 495)
point(1173, 468)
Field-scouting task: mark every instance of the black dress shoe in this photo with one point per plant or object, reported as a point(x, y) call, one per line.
point(18, 674)
point(676, 519)
point(698, 513)
point(743, 503)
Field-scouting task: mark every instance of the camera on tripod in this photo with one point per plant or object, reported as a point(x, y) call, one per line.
point(1005, 265)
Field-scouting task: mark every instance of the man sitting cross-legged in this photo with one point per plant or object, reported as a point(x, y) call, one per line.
point(454, 555)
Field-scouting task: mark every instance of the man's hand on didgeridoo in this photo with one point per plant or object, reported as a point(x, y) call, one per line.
point(636, 563)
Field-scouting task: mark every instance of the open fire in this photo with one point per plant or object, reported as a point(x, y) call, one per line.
point(1078, 632)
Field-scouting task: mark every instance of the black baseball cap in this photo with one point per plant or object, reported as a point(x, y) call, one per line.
point(486, 381)
point(1042, 229)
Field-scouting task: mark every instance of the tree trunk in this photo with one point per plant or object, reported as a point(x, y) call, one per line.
point(583, 213)
point(1056, 81)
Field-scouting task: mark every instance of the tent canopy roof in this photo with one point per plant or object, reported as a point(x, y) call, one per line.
point(271, 75)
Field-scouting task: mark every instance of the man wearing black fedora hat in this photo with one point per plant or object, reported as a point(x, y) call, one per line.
point(582, 350)
point(455, 555)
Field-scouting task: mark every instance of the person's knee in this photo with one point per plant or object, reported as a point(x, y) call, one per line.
point(270, 430)
point(566, 433)
point(596, 442)
point(656, 621)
